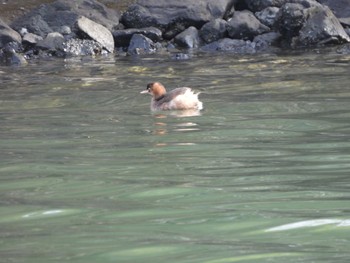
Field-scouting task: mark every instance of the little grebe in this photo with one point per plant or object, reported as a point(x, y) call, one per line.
point(177, 99)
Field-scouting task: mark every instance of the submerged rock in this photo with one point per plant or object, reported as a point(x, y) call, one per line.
point(96, 32)
point(122, 37)
point(231, 45)
point(8, 35)
point(244, 25)
point(172, 18)
point(188, 38)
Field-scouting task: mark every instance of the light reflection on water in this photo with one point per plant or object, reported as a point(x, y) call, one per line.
point(89, 174)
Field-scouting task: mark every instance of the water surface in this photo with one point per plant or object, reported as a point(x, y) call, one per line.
point(89, 174)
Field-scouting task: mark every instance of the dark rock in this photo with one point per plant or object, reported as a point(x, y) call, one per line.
point(231, 45)
point(53, 41)
point(258, 5)
point(81, 47)
point(31, 39)
point(51, 17)
point(139, 44)
point(188, 38)
point(340, 8)
point(122, 37)
point(267, 40)
point(8, 35)
point(244, 25)
point(96, 32)
point(291, 17)
point(9, 56)
point(322, 27)
point(307, 23)
point(213, 30)
point(173, 17)
point(267, 16)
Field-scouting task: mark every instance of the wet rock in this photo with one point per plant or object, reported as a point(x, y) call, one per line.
point(65, 30)
point(213, 30)
point(139, 44)
point(244, 25)
point(172, 18)
point(81, 47)
point(31, 39)
point(188, 38)
point(267, 16)
point(307, 23)
point(8, 35)
point(258, 5)
point(230, 45)
point(340, 8)
point(51, 17)
point(9, 56)
point(53, 41)
point(122, 37)
point(322, 27)
point(96, 32)
point(267, 40)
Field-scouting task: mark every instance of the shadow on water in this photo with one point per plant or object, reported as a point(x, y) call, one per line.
point(89, 174)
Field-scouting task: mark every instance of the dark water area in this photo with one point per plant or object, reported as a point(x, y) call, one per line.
point(89, 174)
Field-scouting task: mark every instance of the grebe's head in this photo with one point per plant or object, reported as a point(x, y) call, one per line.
point(156, 89)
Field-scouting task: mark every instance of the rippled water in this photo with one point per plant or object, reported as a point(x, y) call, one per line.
point(89, 174)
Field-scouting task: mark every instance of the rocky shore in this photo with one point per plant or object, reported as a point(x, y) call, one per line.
point(67, 28)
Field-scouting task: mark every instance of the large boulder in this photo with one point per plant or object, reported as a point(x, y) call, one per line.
point(213, 30)
point(97, 32)
point(267, 16)
point(8, 35)
point(51, 17)
point(340, 8)
point(322, 28)
point(307, 23)
point(244, 25)
point(173, 17)
point(189, 38)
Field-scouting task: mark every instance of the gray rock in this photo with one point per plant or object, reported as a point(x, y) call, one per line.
point(81, 47)
point(188, 38)
point(213, 30)
point(9, 56)
point(267, 40)
point(172, 18)
point(308, 23)
point(8, 35)
point(51, 17)
point(258, 5)
point(53, 41)
point(231, 45)
point(97, 32)
point(244, 25)
point(122, 37)
point(139, 44)
point(340, 8)
point(322, 27)
point(267, 16)
point(31, 39)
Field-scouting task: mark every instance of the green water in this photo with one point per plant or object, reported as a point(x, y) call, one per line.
point(89, 174)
